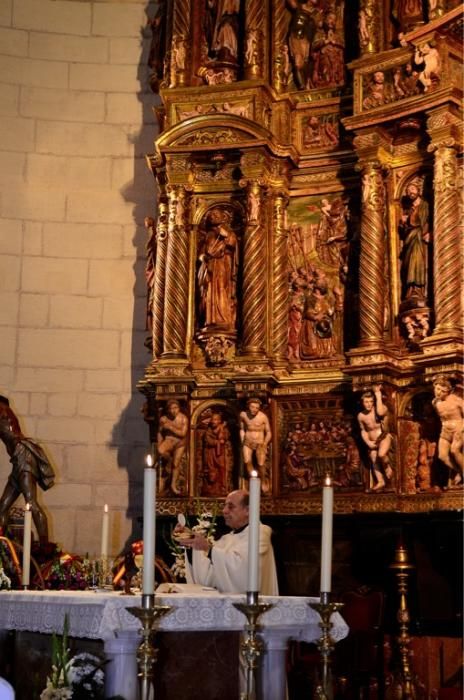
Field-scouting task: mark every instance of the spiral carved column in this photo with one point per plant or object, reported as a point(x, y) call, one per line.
point(447, 239)
point(281, 59)
point(279, 279)
point(372, 259)
point(254, 281)
point(160, 278)
point(176, 290)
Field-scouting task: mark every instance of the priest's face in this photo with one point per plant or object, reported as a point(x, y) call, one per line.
point(235, 513)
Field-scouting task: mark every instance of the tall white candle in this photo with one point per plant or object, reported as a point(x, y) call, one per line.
point(105, 532)
point(149, 509)
point(253, 533)
point(327, 528)
point(27, 535)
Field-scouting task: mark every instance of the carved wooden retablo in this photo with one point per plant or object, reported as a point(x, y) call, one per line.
point(306, 252)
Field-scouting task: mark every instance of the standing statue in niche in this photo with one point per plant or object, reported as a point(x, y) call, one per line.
point(255, 436)
point(305, 19)
point(172, 443)
point(407, 14)
point(30, 467)
point(221, 29)
point(371, 423)
point(217, 463)
point(450, 408)
point(217, 274)
point(415, 235)
point(328, 54)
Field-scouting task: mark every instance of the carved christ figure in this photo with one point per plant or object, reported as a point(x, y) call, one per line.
point(217, 274)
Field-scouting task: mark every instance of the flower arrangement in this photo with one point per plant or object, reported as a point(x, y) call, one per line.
point(10, 570)
point(67, 571)
point(80, 677)
point(204, 524)
point(5, 581)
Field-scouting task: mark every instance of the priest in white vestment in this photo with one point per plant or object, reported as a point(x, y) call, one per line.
point(224, 565)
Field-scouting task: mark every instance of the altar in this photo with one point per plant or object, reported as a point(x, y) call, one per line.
point(104, 615)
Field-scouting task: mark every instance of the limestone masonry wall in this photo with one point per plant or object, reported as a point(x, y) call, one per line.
point(76, 122)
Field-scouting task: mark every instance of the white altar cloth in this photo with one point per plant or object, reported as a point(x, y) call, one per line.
point(104, 615)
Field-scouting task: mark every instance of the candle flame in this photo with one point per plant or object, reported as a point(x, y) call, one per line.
point(105, 507)
point(149, 461)
point(28, 506)
point(327, 480)
point(254, 474)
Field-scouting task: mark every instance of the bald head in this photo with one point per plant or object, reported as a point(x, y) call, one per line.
point(235, 509)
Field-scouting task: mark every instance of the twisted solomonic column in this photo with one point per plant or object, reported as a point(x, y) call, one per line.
point(447, 238)
point(279, 278)
point(176, 288)
point(160, 278)
point(254, 277)
point(372, 258)
point(281, 58)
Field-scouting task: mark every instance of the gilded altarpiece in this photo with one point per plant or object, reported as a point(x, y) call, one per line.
point(304, 312)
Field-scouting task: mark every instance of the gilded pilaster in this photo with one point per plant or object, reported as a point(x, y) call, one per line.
point(254, 281)
point(180, 43)
point(279, 277)
point(254, 39)
point(372, 258)
point(447, 225)
point(176, 289)
point(160, 278)
point(369, 27)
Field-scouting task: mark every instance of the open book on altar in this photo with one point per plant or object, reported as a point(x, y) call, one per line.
point(194, 589)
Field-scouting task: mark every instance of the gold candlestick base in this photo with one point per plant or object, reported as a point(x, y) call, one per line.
point(325, 644)
point(251, 646)
point(148, 614)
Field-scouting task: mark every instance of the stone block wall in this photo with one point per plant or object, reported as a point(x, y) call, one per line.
point(76, 122)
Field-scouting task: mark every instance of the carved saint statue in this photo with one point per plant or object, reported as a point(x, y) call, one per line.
point(255, 435)
point(328, 54)
point(378, 440)
point(407, 14)
point(172, 443)
point(450, 408)
point(415, 234)
point(221, 28)
point(30, 466)
point(217, 457)
point(302, 29)
point(217, 274)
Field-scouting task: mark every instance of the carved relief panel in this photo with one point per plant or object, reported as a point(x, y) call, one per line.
point(319, 276)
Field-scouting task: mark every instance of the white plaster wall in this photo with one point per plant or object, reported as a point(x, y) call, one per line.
point(75, 124)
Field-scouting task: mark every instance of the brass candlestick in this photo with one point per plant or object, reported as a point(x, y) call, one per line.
point(148, 614)
point(251, 645)
point(406, 684)
point(325, 644)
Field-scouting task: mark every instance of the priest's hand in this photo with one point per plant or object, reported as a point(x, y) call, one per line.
point(201, 543)
point(197, 541)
